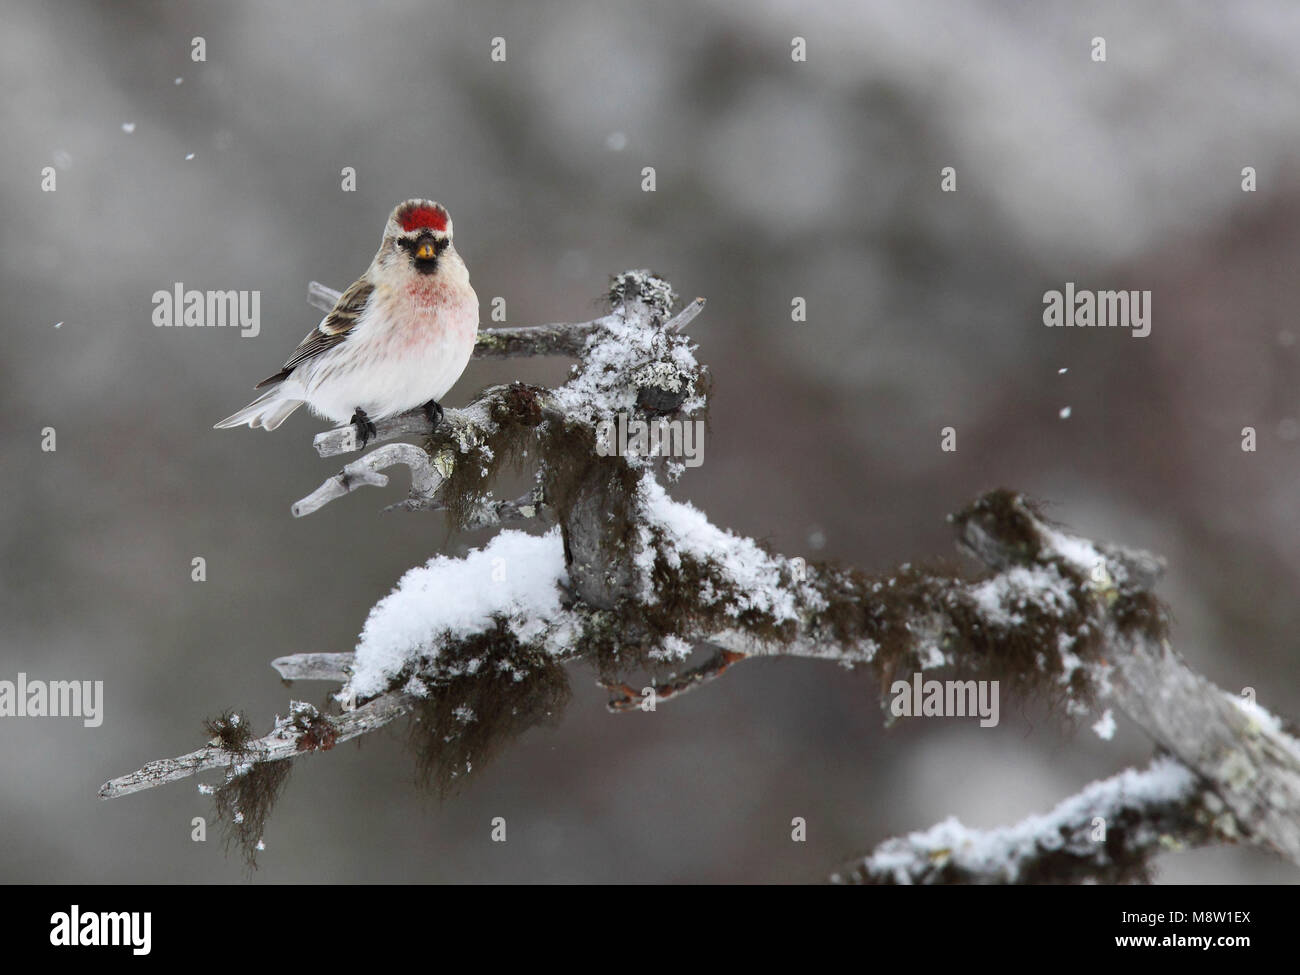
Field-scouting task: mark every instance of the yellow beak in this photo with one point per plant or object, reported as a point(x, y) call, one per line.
point(424, 251)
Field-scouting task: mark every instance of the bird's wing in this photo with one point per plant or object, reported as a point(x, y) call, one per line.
point(333, 329)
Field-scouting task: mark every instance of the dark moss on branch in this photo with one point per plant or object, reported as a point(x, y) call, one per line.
point(1008, 520)
point(905, 612)
point(468, 718)
point(230, 731)
point(245, 802)
point(316, 732)
point(1141, 612)
point(516, 415)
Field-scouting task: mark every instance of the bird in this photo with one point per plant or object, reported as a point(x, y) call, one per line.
point(397, 339)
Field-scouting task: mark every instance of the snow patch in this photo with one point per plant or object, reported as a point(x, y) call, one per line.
point(754, 575)
point(514, 577)
point(1000, 852)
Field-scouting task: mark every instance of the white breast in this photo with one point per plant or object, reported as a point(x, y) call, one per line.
point(403, 352)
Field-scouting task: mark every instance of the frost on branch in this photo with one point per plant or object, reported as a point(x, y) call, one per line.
point(615, 573)
point(1107, 834)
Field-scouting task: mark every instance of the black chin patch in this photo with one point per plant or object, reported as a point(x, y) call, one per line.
point(425, 265)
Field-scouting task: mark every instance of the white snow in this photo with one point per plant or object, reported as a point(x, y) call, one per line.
point(754, 575)
point(1000, 852)
point(1079, 552)
point(625, 344)
point(1001, 598)
point(513, 577)
point(672, 648)
point(1105, 726)
point(1266, 720)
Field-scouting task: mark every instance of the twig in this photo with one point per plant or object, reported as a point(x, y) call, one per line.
point(684, 317)
point(282, 743)
point(314, 666)
point(365, 472)
point(459, 432)
point(489, 514)
point(464, 426)
point(627, 698)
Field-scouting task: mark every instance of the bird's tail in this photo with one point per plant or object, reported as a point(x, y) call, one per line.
point(267, 411)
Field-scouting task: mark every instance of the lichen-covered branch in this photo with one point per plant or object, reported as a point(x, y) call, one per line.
point(468, 443)
point(624, 577)
point(1108, 833)
point(304, 730)
point(1060, 615)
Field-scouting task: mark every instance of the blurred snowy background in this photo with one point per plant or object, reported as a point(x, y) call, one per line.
point(775, 179)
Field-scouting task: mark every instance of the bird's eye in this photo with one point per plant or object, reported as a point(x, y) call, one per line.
point(425, 250)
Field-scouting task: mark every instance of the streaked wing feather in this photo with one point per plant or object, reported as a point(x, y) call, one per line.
point(332, 330)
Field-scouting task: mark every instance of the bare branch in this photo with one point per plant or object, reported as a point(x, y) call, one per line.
point(489, 514)
point(314, 666)
point(1253, 765)
point(343, 440)
point(322, 297)
point(684, 317)
point(284, 742)
point(627, 698)
point(462, 427)
point(364, 472)
point(556, 338)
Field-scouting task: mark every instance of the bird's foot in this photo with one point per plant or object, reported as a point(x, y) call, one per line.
point(433, 410)
point(365, 427)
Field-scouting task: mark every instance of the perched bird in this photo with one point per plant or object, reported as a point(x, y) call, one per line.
point(398, 338)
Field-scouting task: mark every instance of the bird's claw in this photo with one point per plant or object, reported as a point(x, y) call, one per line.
point(433, 410)
point(365, 426)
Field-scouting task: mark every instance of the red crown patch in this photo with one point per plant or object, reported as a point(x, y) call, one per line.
point(423, 217)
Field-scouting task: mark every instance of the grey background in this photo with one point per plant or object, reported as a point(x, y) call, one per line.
point(775, 179)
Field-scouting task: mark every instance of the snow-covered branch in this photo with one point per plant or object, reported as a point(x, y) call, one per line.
point(622, 576)
point(1108, 833)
